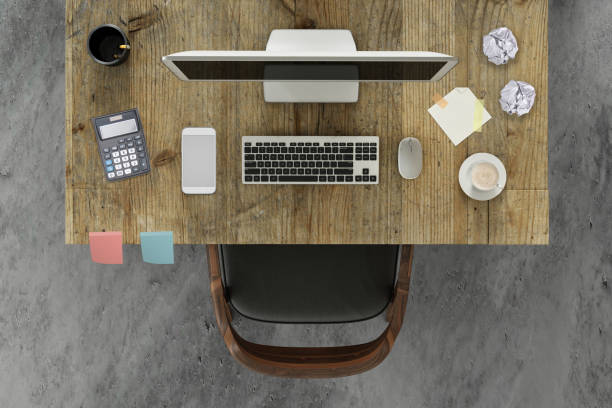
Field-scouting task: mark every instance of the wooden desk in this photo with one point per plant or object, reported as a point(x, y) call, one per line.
point(431, 209)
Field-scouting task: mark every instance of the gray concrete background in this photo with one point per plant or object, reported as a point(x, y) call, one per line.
point(485, 326)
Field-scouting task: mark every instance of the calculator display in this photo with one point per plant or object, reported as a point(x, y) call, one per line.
point(118, 129)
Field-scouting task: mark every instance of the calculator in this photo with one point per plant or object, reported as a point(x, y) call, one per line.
point(122, 145)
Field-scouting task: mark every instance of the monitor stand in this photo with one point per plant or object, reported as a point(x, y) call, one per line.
point(315, 41)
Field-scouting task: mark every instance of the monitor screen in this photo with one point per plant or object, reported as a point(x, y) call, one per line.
point(310, 70)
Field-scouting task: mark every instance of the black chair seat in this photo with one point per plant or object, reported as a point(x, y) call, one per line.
point(309, 283)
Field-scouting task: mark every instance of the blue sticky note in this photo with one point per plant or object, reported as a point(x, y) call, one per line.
point(157, 247)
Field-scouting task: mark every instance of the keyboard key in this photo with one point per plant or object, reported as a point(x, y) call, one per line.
point(264, 178)
point(252, 171)
point(357, 178)
point(294, 179)
point(365, 171)
point(250, 164)
point(301, 171)
point(331, 178)
point(255, 178)
point(248, 178)
point(345, 164)
point(340, 178)
point(349, 178)
point(347, 157)
point(372, 157)
point(273, 178)
point(343, 171)
point(346, 150)
point(357, 157)
point(294, 171)
point(372, 178)
point(322, 178)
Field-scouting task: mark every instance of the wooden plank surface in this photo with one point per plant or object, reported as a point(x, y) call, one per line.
point(430, 209)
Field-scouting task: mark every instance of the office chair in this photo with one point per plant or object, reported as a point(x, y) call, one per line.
point(309, 284)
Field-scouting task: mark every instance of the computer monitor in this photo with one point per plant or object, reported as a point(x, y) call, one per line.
point(310, 66)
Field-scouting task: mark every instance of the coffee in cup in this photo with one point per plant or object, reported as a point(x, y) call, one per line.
point(485, 176)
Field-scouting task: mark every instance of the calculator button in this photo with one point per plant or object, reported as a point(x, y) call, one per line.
point(125, 158)
point(117, 160)
point(143, 165)
point(134, 162)
point(109, 169)
point(123, 152)
point(126, 165)
point(121, 140)
point(139, 142)
point(141, 155)
point(122, 146)
point(114, 148)
point(106, 150)
point(115, 154)
point(131, 151)
point(140, 149)
point(120, 173)
point(128, 171)
point(129, 139)
point(108, 162)
point(111, 175)
point(118, 167)
point(137, 137)
point(132, 157)
point(107, 156)
point(130, 144)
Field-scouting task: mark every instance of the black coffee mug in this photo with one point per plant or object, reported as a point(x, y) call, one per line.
point(108, 45)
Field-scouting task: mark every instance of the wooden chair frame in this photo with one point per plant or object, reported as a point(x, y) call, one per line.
point(311, 362)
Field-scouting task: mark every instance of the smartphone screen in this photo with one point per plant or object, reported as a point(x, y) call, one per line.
point(199, 160)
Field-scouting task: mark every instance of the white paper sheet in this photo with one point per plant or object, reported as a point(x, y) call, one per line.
point(463, 115)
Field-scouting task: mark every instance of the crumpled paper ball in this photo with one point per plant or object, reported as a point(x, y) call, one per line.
point(517, 97)
point(499, 45)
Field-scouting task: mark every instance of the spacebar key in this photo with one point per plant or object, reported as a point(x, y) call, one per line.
point(293, 179)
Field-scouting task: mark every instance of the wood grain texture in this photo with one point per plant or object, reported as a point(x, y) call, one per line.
point(310, 362)
point(519, 217)
point(431, 209)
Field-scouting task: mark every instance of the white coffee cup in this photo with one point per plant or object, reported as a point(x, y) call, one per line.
point(485, 176)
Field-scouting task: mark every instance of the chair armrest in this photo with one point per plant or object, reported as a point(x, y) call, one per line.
point(309, 362)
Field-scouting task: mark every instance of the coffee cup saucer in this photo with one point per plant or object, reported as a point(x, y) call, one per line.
point(465, 176)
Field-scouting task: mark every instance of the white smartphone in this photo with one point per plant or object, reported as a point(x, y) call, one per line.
point(199, 157)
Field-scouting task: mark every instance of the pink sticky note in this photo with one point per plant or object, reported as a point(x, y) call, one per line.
point(106, 247)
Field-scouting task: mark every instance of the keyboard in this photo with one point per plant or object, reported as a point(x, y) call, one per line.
point(310, 159)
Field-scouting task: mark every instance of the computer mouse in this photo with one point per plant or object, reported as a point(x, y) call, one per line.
point(410, 158)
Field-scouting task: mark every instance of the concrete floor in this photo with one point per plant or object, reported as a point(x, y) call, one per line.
point(485, 326)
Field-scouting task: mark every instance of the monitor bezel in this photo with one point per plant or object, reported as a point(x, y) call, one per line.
point(361, 56)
